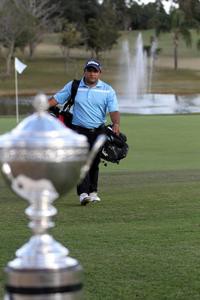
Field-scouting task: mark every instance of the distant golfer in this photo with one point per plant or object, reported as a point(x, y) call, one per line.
point(93, 100)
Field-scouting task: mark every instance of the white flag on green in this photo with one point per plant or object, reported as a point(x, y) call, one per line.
point(19, 66)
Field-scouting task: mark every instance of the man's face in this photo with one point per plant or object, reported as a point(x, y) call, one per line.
point(91, 75)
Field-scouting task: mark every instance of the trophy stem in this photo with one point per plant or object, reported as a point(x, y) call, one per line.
point(42, 269)
point(40, 212)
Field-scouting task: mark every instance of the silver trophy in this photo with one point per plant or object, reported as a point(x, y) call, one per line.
point(41, 160)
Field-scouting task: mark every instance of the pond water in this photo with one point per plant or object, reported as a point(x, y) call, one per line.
point(151, 104)
point(8, 105)
point(147, 104)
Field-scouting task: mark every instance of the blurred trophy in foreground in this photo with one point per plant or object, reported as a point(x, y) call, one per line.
point(41, 160)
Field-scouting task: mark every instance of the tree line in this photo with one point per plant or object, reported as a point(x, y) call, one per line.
point(94, 24)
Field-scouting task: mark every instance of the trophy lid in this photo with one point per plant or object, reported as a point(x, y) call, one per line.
point(41, 130)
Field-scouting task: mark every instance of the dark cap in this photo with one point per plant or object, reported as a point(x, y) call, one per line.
point(92, 63)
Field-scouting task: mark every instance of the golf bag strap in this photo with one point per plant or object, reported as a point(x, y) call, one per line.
point(74, 89)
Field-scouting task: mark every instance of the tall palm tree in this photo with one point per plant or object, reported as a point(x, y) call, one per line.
point(179, 28)
point(176, 23)
point(192, 11)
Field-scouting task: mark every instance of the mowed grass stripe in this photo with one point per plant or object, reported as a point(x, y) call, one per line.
point(139, 244)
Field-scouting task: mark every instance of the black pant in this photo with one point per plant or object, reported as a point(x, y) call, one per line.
point(90, 183)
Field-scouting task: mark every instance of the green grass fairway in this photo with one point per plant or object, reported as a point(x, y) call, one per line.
point(142, 241)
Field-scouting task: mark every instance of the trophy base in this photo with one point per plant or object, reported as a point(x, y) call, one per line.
point(29, 284)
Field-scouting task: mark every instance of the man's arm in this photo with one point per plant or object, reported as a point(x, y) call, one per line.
point(52, 102)
point(115, 118)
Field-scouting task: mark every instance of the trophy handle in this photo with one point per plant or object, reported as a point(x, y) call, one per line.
point(7, 173)
point(40, 194)
point(95, 149)
point(28, 188)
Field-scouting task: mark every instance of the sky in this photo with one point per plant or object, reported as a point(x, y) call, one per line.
point(166, 4)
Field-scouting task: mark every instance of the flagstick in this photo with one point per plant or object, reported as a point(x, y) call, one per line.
point(16, 94)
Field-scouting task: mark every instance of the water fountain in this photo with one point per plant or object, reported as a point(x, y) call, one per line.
point(137, 97)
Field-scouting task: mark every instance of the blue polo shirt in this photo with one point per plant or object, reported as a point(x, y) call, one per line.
point(91, 103)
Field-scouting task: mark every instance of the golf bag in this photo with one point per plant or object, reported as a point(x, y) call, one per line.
point(115, 147)
point(63, 113)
